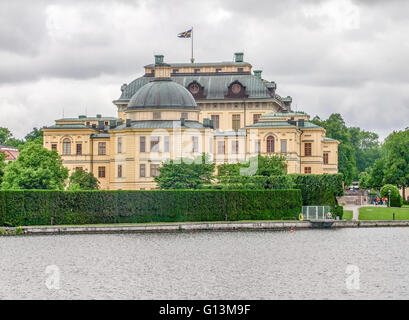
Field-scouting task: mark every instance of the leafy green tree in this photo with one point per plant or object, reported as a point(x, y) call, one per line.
point(35, 168)
point(82, 180)
point(336, 129)
point(366, 146)
point(2, 166)
point(35, 135)
point(396, 199)
point(271, 165)
point(185, 174)
point(5, 134)
point(266, 166)
point(375, 177)
point(396, 149)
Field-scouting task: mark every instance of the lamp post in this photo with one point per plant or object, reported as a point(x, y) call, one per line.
point(389, 192)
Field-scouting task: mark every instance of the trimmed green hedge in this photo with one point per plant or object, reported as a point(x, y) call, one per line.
point(38, 207)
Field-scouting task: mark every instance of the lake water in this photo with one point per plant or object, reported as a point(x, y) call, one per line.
point(309, 264)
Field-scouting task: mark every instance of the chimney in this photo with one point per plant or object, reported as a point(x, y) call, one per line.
point(100, 124)
point(162, 70)
point(112, 124)
point(238, 57)
point(257, 73)
point(128, 122)
point(99, 116)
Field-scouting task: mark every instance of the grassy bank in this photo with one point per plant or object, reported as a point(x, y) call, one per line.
point(348, 214)
point(380, 213)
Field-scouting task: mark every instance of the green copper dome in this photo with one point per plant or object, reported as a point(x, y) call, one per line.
point(162, 94)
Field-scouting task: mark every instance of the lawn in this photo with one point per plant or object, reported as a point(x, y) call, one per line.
point(347, 215)
point(380, 213)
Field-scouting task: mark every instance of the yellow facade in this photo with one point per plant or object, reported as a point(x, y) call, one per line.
point(125, 152)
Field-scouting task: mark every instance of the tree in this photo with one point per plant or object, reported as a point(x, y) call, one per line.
point(5, 134)
point(336, 129)
point(396, 148)
point(395, 198)
point(186, 174)
point(35, 168)
point(375, 177)
point(366, 146)
point(2, 166)
point(271, 165)
point(266, 166)
point(35, 135)
point(82, 180)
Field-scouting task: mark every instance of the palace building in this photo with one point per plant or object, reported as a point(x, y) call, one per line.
point(181, 110)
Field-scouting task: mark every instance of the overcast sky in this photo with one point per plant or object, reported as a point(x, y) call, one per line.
point(345, 56)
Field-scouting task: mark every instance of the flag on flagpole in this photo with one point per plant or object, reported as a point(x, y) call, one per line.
point(186, 34)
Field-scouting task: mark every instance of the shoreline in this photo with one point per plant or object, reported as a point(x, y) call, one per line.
point(204, 226)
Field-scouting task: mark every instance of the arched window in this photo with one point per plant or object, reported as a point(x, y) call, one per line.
point(66, 146)
point(270, 144)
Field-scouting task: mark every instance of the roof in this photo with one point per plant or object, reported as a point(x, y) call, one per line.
point(271, 124)
point(11, 153)
point(160, 124)
point(307, 125)
point(100, 135)
point(68, 126)
point(215, 86)
point(162, 93)
point(326, 139)
point(87, 119)
point(272, 115)
point(204, 64)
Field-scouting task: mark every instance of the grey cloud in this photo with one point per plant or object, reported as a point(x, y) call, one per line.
point(49, 46)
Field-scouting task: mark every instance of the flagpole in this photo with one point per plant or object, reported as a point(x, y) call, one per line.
point(192, 59)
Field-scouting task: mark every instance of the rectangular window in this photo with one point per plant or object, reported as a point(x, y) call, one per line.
point(216, 119)
point(79, 149)
point(101, 148)
point(166, 142)
point(197, 70)
point(154, 144)
point(54, 147)
point(235, 147)
point(220, 147)
point(119, 170)
point(284, 146)
point(119, 145)
point(142, 170)
point(175, 70)
point(154, 170)
point(256, 117)
point(240, 69)
point(307, 170)
point(101, 172)
point(236, 122)
point(184, 115)
point(142, 144)
point(307, 149)
point(325, 158)
point(195, 144)
point(156, 115)
point(218, 70)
